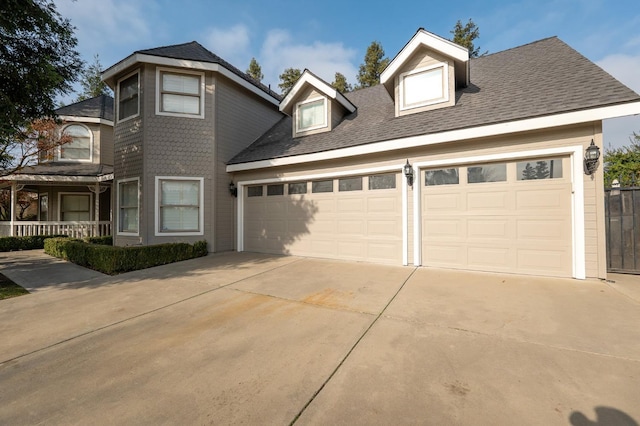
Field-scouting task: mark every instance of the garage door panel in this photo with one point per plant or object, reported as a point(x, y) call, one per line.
point(487, 258)
point(442, 202)
point(488, 228)
point(323, 227)
point(439, 229)
point(379, 251)
point(354, 227)
point(351, 206)
point(351, 249)
point(486, 200)
point(382, 205)
point(325, 205)
point(543, 230)
point(543, 261)
point(542, 199)
point(385, 228)
point(275, 209)
point(445, 255)
point(322, 247)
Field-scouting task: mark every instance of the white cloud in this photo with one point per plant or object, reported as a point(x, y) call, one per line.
point(231, 44)
point(624, 68)
point(280, 51)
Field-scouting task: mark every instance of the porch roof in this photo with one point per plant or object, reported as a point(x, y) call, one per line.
point(63, 172)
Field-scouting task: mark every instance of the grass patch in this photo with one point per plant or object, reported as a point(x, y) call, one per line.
point(10, 289)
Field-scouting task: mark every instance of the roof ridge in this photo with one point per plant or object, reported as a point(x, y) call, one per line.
point(517, 47)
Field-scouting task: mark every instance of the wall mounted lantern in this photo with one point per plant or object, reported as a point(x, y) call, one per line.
point(233, 190)
point(591, 157)
point(408, 172)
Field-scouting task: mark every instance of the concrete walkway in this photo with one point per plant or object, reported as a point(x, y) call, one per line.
point(256, 339)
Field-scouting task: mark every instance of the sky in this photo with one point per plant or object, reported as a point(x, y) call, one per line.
point(332, 36)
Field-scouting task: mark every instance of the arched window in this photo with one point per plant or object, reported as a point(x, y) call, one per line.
point(80, 147)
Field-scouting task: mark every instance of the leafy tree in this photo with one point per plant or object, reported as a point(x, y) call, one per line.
point(288, 79)
point(623, 163)
point(91, 82)
point(38, 62)
point(254, 70)
point(373, 65)
point(340, 83)
point(464, 35)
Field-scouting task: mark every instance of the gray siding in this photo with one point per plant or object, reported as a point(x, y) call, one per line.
point(106, 144)
point(241, 117)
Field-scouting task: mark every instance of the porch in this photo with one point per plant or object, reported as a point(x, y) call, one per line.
point(75, 229)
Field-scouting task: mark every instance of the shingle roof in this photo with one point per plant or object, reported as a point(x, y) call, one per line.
point(194, 51)
point(539, 79)
point(66, 169)
point(98, 107)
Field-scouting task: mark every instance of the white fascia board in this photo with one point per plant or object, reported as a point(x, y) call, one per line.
point(77, 119)
point(308, 78)
point(57, 178)
point(424, 38)
point(185, 63)
point(538, 123)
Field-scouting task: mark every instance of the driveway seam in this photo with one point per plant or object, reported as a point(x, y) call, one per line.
point(350, 351)
point(104, 327)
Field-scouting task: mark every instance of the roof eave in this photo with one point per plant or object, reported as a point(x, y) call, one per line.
point(307, 78)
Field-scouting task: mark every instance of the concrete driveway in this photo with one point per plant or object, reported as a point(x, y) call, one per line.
point(243, 338)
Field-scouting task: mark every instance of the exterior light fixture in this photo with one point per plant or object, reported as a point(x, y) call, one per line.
point(233, 190)
point(408, 172)
point(591, 157)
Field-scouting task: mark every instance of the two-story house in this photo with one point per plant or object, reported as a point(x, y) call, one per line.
point(456, 162)
point(71, 184)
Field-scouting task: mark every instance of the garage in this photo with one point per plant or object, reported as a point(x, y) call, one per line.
point(349, 217)
point(513, 216)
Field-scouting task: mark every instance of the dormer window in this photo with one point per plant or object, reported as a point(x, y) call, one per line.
point(79, 149)
point(424, 86)
point(311, 114)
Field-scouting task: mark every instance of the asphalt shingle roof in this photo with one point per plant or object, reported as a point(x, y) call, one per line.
point(98, 107)
point(194, 51)
point(539, 79)
point(66, 169)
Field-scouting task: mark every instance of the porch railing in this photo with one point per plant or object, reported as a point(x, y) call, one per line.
point(78, 229)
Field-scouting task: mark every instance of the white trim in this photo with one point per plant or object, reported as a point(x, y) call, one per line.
point(417, 217)
point(69, 160)
point(317, 176)
point(159, 71)
point(445, 86)
point(308, 101)
point(91, 210)
point(529, 124)
point(125, 233)
point(405, 221)
point(183, 63)
point(79, 119)
point(156, 207)
point(424, 38)
point(577, 196)
point(308, 78)
point(59, 178)
point(117, 98)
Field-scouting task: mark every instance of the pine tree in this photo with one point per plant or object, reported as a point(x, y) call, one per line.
point(542, 170)
point(340, 83)
point(254, 70)
point(529, 172)
point(288, 79)
point(374, 64)
point(464, 35)
point(91, 81)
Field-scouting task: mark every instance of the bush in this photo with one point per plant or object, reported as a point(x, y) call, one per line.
point(115, 260)
point(24, 243)
point(103, 241)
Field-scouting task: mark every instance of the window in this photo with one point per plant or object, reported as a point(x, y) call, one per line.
point(386, 181)
point(128, 89)
point(550, 168)
point(75, 207)
point(43, 201)
point(487, 173)
point(441, 177)
point(179, 205)
point(128, 206)
point(277, 189)
point(254, 191)
point(180, 94)
point(424, 86)
point(79, 148)
point(312, 115)
point(298, 188)
point(322, 186)
point(350, 184)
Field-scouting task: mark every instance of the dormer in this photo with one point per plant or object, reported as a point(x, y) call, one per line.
point(426, 73)
point(314, 105)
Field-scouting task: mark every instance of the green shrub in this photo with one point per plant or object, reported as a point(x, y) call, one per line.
point(104, 241)
point(115, 260)
point(24, 243)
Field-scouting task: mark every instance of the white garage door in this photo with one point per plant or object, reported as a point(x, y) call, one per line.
point(500, 217)
point(355, 218)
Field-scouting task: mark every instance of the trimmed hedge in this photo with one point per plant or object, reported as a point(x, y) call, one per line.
point(115, 260)
point(24, 243)
point(103, 241)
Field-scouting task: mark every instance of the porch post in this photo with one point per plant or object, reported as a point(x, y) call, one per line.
point(96, 207)
point(12, 211)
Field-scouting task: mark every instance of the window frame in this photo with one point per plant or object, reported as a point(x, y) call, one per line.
point(325, 123)
point(137, 114)
point(59, 148)
point(43, 196)
point(159, 92)
point(62, 194)
point(157, 206)
point(119, 207)
point(428, 102)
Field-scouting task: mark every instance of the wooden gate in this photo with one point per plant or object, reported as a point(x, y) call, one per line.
point(622, 208)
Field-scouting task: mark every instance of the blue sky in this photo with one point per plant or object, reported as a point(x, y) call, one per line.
point(333, 35)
